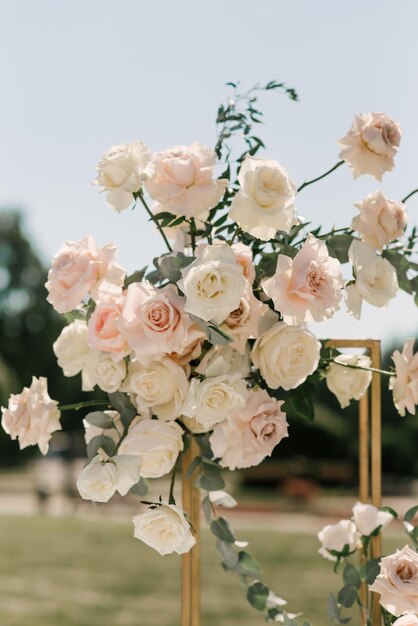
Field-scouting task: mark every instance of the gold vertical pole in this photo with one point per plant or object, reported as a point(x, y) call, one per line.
point(190, 573)
point(376, 460)
point(364, 487)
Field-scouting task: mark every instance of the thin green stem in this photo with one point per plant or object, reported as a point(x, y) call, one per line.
point(314, 180)
point(409, 195)
point(193, 234)
point(148, 210)
point(359, 367)
point(81, 405)
point(171, 499)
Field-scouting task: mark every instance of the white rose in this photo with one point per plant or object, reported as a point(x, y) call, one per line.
point(71, 348)
point(397, 582)
point(348, 383)
point(368, 517)
point(157, 443)
point(210, 401)
point(265, 202)
point(32, 416)
point(336, 537)
point(409, 619)
point(376, 280)
point(222, 360)
point(102, 477)
point(122, 171)
point(102, 370)
point(213, 284)
point(160, 385)
point(286, 355)
point(380, 221)
point(165, 529)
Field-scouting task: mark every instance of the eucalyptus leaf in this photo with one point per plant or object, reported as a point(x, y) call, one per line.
point(222, 530)
point(338, 246)
point(100, 419)
point(140, 488)
point(370, 570)
point(210, 478)
point(247, 565)
point(123, 405)
point(347, 596)
point(101, 441)
point(229, 554)
point(257, 594)
point(351, 576)
point(410, 514)
point(171, 264)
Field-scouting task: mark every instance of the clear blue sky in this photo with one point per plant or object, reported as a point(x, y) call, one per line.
point(80, 76)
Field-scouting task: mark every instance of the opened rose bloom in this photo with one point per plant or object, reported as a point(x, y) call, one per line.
point(122, 171)
point(348, 383)
point(371, 144)
point(164, 528)
point(184, 180)
point(397, 582)
point(152, 320)
point(157, 385)
point(213, 284)
point(102, 477)
point(308, 287)
point(157, 443)
point(242, 323)
point(103, 370)
point(31, 416)
point(404, 384)
point(79, 269)
point(380, 221)
point(375, 281)
point(103, 333)
point(286, 355)
point(265, 202)
point(338, 537)
point(250, 434)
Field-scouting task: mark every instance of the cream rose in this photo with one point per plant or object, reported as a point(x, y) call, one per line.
point(71, 348)
point(122, 171)
point(308, 287)
point(368, 517)
point(211, 400)
point(345, 382)
point(265, 202)
point(397, 582)
point(375, 279)
point(102, 477)
point(158, 384)
point(335, 537)
point(164, 528)
point(31, 416)
point(404, 384)
point(102, 370)
point(250, 434)
point(79, 269)
point(409, 619)
point(213, 284)
point(286, 355)
point(370, 144)
point(184, 181)
point(224, 360)
point(157, 443)
point(380, 221)
point(103, 333)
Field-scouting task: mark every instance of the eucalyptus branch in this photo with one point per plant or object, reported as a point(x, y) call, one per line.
point(359, 367)
point(81, 405)
point(314, 180)
point(148, 210)
point(409, 195)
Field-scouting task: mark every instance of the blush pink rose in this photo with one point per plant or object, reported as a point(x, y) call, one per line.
point(103, 332)
point(242, 323)
point(153, 320)
point(245, 438)
point(370, 144)
point(79, 269)
point(404, 384)
point(308, 287)
point(244, 257)
point(192, 344)
point(397, 582)
point(32, 416)
point(408, 619)
point(183, 180)
point(380, 221)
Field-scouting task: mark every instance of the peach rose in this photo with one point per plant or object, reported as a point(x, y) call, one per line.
point(370, 144)
point(152, 320)
point(32, 416)
point(79, 269)
point(245, 438)
point(103, 331)
point(397, 582)
point(380, 221)
point(183, 180)
point(404, 384)
point(308, 287)
point(243, 322)
point(244, 256)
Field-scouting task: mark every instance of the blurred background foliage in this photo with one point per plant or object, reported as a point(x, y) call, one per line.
point(324, 451)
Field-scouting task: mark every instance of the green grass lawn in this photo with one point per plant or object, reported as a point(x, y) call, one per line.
point(77, 572)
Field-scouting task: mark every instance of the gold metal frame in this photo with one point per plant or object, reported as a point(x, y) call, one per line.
point(370, 487)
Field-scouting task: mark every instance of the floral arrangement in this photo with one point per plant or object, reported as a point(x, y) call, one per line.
point(214, 342)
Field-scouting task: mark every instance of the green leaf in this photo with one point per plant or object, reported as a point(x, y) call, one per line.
point(410, 514)
point(247, 565)
point(401, 265)
point(370, 570)
point(171, 264)
point(257, 594)
point(123, 405)
point(140, 488)
point(300, 401)
point(204, 445)
point(215, 335)
point(334, 611)
point(193, 465)
point(229, 554)
point(221, 528)
point(338, 246)
point(101, 441)
point(210, 478)
point(100, 419)
point(347, 596)
point(351, 576)
point(389, 509)
point(136, 277)
point(207, 509)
